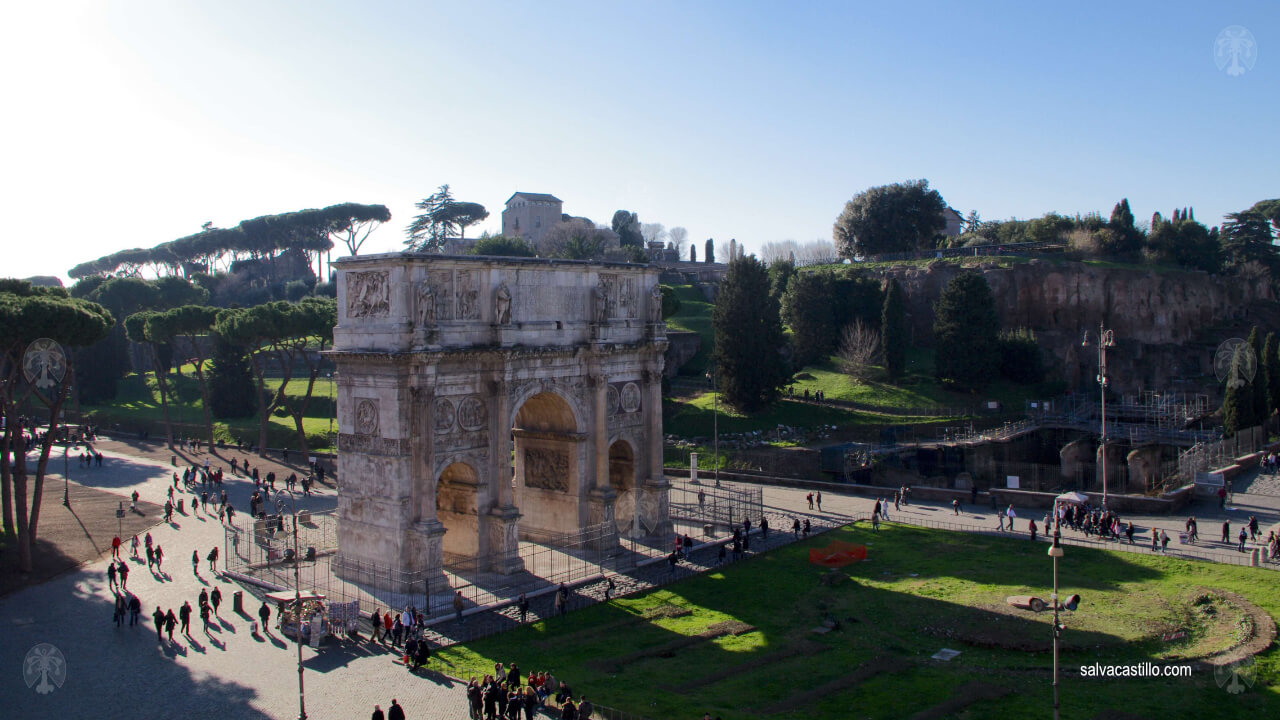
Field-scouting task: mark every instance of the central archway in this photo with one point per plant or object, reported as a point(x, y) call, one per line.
point(547, 444)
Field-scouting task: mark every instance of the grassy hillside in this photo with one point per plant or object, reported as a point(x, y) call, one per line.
point(137, 405)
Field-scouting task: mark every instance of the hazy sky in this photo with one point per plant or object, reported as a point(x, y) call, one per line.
point(130, 123)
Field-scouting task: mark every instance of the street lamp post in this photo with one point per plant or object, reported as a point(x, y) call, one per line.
point(715, 423)
point(297, 599)
point(66, 474)
point(1055, 552)
point(1106, 338)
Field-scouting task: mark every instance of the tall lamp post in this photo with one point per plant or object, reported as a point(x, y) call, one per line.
point(1055, 552)
point(66, 474)
point(715, 421)
point(1106, 338)
point(297, 598)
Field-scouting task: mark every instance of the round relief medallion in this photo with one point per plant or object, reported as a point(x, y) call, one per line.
point(471, 413)
point(611, 400)
point(366, 417)
point(630, 398)
point(444, 415)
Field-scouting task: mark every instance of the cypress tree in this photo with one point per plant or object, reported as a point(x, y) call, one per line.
point(965, 330)
point(1269, 367)
point(893, 330)
point(1237, 405)
point(748, 337)
point(807, 307)
point(709, 255)
point(1259, 383)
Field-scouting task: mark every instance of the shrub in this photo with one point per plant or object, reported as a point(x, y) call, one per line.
point(1020, 359)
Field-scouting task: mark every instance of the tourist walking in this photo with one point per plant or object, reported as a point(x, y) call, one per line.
point(1226, 531)
point(264, 614)
point(395, 712)
point(184, 613)
point(170, 622)
point(111, 576)
point(212, 557)
point(158, 618)
point(119, 610)
point(523, 606)
point(1164, 541)
point(215, 599)
point(135, 609)
point(1244, 535)
point(375, 621)
point(818, 498)
point(123, 572)
point(458, 606)
point(195, 562)
point(159, 558)
point(115, 547)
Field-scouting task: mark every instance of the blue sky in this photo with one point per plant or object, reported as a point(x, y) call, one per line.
point(132, 123)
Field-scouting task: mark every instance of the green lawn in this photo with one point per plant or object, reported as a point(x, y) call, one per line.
point(694, 315)
point(919, 591)
point(138, 403)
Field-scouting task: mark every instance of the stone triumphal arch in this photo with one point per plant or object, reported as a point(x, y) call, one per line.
point(482, 401)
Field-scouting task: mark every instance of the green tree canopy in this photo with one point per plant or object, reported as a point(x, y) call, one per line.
point(442, 217)
point(502, 246)
point(893, 330)
point(890, 218)
point(749, 341)
point(965, 330)
point(808, 309)
point(28, 313)
point(285, 335)
point(627, 225)
point(1247, 237)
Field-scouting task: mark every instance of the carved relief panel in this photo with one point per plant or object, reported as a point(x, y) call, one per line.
point(467, 295)
point(441, 282)
point(546, 469)
point(368, 294)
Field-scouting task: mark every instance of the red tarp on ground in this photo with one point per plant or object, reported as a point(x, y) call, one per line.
point(838, 554)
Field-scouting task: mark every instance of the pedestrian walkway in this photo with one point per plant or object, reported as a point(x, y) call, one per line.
point(236, 674)
point(227, 672)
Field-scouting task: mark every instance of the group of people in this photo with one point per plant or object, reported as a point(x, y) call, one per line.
point(397, 628)
point(505, 695)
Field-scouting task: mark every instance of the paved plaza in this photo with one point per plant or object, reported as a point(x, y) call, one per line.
point(126, 673)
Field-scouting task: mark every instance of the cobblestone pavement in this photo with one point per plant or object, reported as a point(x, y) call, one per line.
point(227, 672)
point(125, 673)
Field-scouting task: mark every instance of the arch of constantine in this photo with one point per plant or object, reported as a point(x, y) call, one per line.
point(485, 400)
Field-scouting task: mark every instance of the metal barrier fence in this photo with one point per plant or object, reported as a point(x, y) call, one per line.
point(718, 506)
point(264, 552)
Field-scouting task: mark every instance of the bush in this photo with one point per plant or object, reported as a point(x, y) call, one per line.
point(295, 290)
point(670, 303)
point(1020, 359)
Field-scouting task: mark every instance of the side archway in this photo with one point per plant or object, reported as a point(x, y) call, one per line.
point(622, 478)
point(457, 508)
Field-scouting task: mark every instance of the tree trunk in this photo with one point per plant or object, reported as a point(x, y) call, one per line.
point(6, 441)
point(37, 489)
point(162, 383)
point(204, 390)
point(263, 416)
point(20, 496)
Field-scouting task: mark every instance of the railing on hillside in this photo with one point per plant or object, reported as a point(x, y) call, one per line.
point(993, 250)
